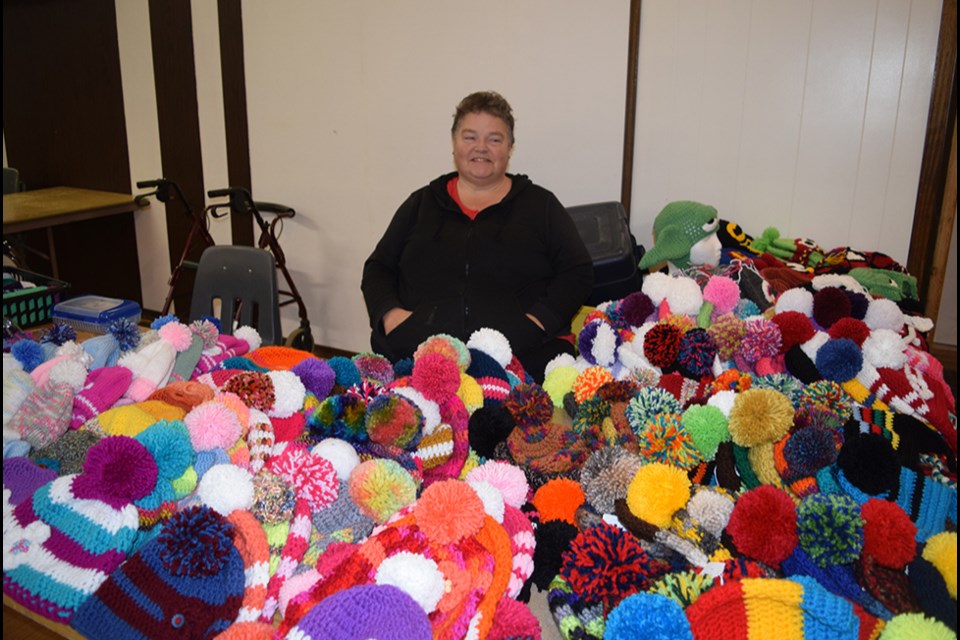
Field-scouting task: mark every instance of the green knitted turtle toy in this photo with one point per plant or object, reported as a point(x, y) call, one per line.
point(684, 234)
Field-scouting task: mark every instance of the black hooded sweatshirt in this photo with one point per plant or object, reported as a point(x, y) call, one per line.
point(522, 255)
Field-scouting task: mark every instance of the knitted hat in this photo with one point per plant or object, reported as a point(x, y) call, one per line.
point(278, 358)
point(678, 230)
point(106, 349)
point(22, 477)
point(377, 612)
point(17, 386)
point(341, 521)
point(45, 414)
point(186, 582)
point(184, 394)
point(125, 420)
point(151, 367)
point(102, 389)
point(76, 530)
point(66, 454)
point(186, 360)
point(775, 608)
point(490, 375)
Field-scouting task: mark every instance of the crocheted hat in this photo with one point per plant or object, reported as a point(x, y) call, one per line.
point(66, 454)
point(340, 521)
point(184, 394)
point(186, 582)
point(371, 611)
point(67, 539)
point(680, 230)
point(102, 389)
point(21, 477)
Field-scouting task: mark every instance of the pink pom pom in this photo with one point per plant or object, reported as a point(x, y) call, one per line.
point(435, 376)
point(177, 334)
point(723, 292)
point(213, 425)
point(509, 479)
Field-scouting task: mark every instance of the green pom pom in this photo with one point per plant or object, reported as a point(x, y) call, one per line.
point(830, 529)
point(707, 427)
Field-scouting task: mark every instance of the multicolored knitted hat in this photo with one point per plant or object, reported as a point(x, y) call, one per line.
point(186, 582)
point(66, 454)
point(44, 415)
point(63, 543)
point(17, 386)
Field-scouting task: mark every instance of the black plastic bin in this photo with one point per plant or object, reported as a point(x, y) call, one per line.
point(613, 249)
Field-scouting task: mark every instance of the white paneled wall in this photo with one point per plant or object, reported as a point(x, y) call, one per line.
point(808, 116)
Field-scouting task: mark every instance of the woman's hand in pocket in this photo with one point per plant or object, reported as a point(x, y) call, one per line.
point(393, 318)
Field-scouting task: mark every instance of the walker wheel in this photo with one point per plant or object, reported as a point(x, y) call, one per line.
point(300, 338)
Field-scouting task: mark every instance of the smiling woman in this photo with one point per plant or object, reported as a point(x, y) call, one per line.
point(479, 248)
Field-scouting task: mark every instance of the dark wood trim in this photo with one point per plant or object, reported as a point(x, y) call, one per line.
point(630, 112)
point(171, 33)
point(946, 354)
point(235, 112)
point(936, 153)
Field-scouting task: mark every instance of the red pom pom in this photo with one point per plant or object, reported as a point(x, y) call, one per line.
point(661, 344)
point(763, 525)
point(436, 377)
point(856, 330)
point(795, 328)
point(829, 305)
point(889, 536)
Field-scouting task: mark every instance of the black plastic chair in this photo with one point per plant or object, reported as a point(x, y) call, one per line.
point(244, 281)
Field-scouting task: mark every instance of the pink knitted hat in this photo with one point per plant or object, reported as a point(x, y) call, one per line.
point(103, 388)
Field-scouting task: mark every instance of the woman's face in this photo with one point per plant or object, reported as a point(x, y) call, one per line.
point(481, 148)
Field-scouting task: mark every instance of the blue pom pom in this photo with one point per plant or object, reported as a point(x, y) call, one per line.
point(746, 308)
point(126, 333)
point(648, 615)
point(59, 333)
point(839, 360)
point(28, 353)
point(214, 321)
point(403, 367)
point(162, 320)
point(347, 374)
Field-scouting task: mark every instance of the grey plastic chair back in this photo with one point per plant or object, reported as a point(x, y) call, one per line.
point(244, 281)
point(11, 181)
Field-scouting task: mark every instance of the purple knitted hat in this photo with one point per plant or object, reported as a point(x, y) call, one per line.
point(22, 477)
point(379, 612)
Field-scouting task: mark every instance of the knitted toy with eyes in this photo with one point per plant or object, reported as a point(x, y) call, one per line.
point(684, 234)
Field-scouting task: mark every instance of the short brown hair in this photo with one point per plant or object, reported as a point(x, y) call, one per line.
point(489, 102)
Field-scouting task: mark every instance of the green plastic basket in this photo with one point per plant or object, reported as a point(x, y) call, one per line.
point(32, 305)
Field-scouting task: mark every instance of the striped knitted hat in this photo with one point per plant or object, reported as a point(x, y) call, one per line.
point(67, 539)
point(102, 389)
point(186, 582)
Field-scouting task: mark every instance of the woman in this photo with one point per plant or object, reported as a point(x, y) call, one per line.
point(479, 248)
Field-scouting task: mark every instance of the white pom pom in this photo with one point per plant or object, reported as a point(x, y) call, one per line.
point(723, 400)
point(685, 296)
point(250, 336)
point(491, 497)
point(884, 314)
point(341, 455)
point(795, 299)
point(562, 360)
point(70, 372)
point(290, 394)
point(657, 286)
point(493, 343)
point(226, 488)
point(604, 345)
point(885, 348)
point(508, 478)
point(417, 575)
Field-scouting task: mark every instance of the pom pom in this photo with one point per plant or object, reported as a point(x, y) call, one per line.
point(250, 336)
point(317, 376)
point(869, 462)
point(207, 331)
point(374, 367)
point(169, 444)
point(598, 343)
point(662, 438)
point(940, 550)
point(226, 488)
point(707, 428)
point(759, 416)
point(559, 381)
point(795, 299)
point(661, 344)
point(60, 333)
point(491, 497)
point(914, 626)
point(488, 427)
point(162, 320)
point(340, 454)
point(806, 451)
point(889, 536)
point(558, 499)
point(884, 348)
point(636, 308)
point(761, 339)
point(649, 402)
point(28, 353)
point(290, 394)
point(830, 529)
point(435, 376)
point(605, 564)
point(513, 619)
point(313, 477)
point(529, 405)
point(381, 487)
point(763, 525)
point(696, 354)
point(346, 373)
point(432, 511)
point(656, 492)
point(829, 305)
point(212, 425)
point(493, 343)
point(605, 476)
point(839, 360)
point(648, 615)
point(727, 331)
point(723, 293)
point(795, 328)
point(255, 389)
point(177, 334)
point(418, 576)
point(884, 314)
point(447, 346)
point(509, 479)
point(117, 470)
point(589, 382)
point(195, 542)
point(69, 372)
point(393, 420)
point(851, 328)
point(684, 296)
